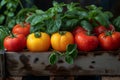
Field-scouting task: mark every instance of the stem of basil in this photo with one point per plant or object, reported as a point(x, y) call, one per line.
point(20, 4)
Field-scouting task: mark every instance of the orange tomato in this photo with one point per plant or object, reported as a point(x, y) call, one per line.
point(38, 41)
point(60, 40)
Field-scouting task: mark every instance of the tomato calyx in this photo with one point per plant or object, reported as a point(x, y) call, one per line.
point(12, 35)
point(22, 24)
point(37, 34)
point(108, 33)
point(62, 32)
point(88, 33)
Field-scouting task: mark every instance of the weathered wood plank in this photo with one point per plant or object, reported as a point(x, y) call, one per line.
point(1, 64)
point(110, 78)
point(13, 78)
point(92, 63)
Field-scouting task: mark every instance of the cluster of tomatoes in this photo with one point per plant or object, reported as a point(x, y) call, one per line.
point(103, 38)
point(21, 38)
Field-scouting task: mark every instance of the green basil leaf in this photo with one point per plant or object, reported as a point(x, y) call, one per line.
point(86, 25)
point(39, 18)
point(72, 6)
point(102, 19)
point(3, 2)
point(36, 20)
point(53, 25)
point(116, 22)
point(71, 47)
point(74, 53)
point(72, 50)
point(9, 5)
point(69, 59)
point(72, 22)
point(108, 14)
point(82, 14)
point(39, 11)
point(10, 14)
point(38, 27)
point(11, 24)
point(3, 33)
point(30, 18)
point(93, 7)
point(53, 58)
point(2, 17)
point(92, 14)
point(55, 3)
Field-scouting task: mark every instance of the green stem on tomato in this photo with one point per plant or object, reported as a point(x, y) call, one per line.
point(22, 24)
point(89, 33)
point(37, 34)
point(11, 34)
point(20, 4)
point(109, 33)
point(62, 32)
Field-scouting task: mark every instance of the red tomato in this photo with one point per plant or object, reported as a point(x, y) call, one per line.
point(22, 29)
point(110, 42)
point(86, 42)
point(78, 29)
point(15, 43)
point(99, 29)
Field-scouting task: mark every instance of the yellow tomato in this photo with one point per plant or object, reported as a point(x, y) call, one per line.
point(60, 40)
point(38, 41)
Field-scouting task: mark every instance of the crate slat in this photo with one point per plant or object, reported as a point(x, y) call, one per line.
point(87, 63)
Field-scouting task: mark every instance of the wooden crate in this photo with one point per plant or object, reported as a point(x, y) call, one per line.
point(87, 63)
point(2, 64)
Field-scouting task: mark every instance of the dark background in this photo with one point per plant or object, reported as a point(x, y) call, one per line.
point(109, 5)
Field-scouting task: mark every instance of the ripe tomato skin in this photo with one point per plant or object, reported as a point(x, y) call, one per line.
point(21, 29)
point(110, 42)
point(36, 44)
point(17, 43)
point(85, 42)
point(59, 41)
point(99, 29)
point(78, 29)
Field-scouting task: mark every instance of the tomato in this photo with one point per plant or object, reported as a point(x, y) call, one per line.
point(86, 42)
point(109, 41)
point(60, 40)
point(21, 29)
point(16, 42)
point(99, 29)
point(78, 29)
point(38, 41)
